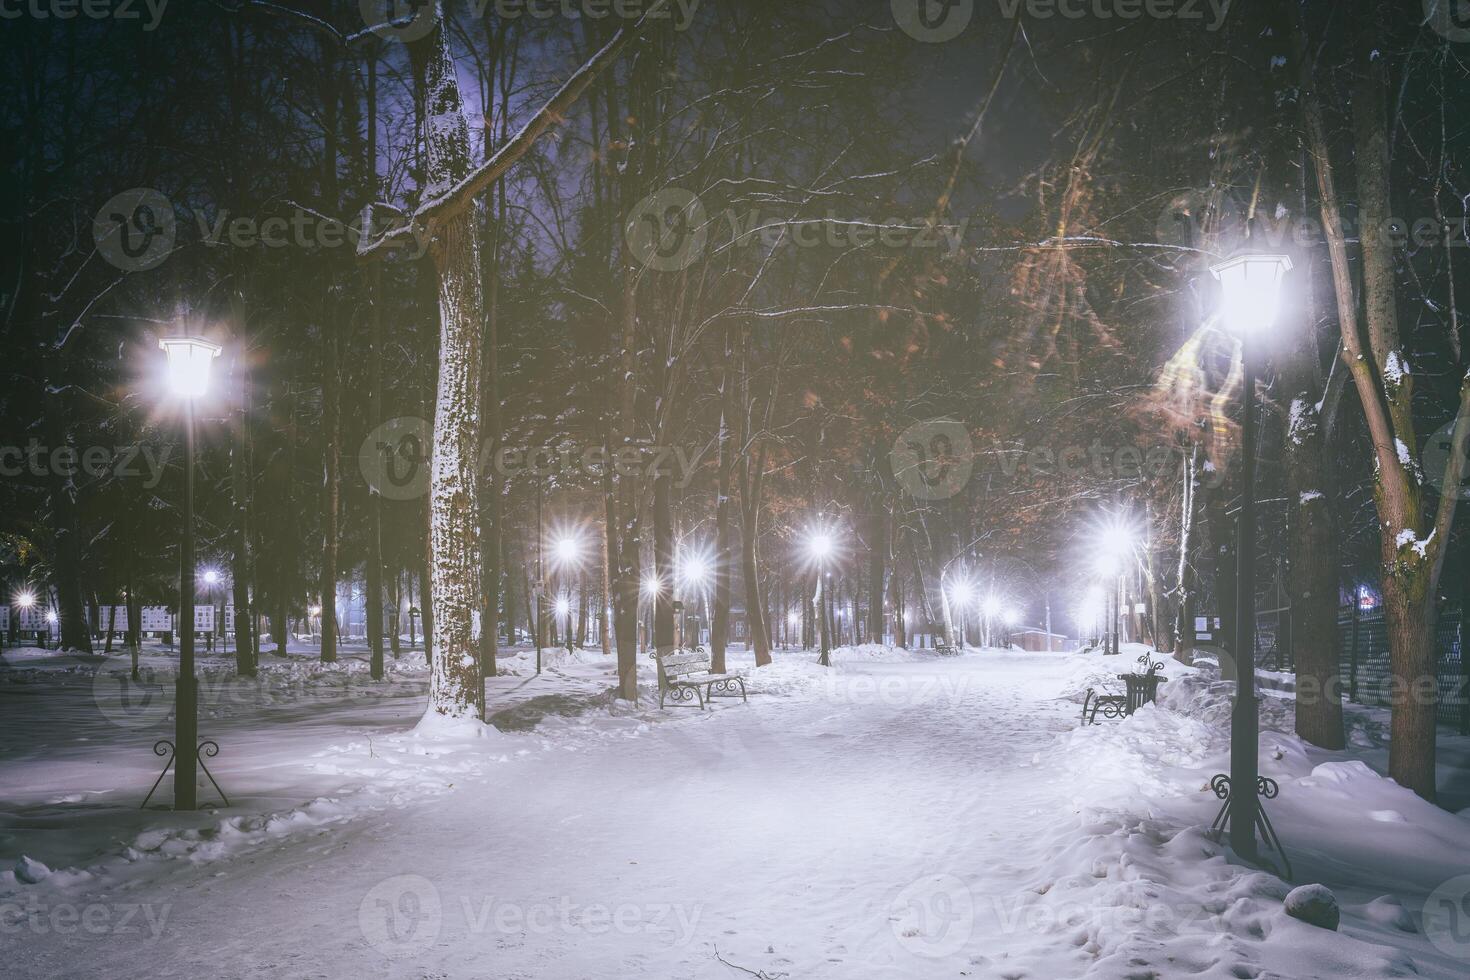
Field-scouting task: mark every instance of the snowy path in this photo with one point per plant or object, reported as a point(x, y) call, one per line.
point(787, 824)
point(897, 816)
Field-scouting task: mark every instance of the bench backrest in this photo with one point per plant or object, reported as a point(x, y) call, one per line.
point(680, 663)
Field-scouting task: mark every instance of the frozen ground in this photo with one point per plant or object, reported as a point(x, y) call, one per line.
point(897, 816)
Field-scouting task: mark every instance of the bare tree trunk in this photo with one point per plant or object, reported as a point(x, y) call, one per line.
point(877, 550)
point(243, 569)
point(331, 494)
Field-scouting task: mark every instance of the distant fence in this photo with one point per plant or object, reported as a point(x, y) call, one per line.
point(1363, 645)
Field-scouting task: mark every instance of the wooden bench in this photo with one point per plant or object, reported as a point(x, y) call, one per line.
point(944, 649)
point(683, 676)
point(1142, 689)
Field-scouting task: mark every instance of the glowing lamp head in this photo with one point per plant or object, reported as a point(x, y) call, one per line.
point(210, 576)
point(563, 606)
point(25, 600)
point(567, 550)
point(1011, 617)
point(51, 615)
point(695, 570)
point(315, 610)
point(189, 361)
point(819, 544)
point(652, 585)
point(961, 592)
point(990, 606)
point(1251, 285)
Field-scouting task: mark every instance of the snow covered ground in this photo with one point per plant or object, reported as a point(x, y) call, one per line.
point(900, 815)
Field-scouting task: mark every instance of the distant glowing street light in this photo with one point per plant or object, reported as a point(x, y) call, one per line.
point(25, 600)
point(51, 616)
point(990, 606)
point(1011, 617)
point(1250, 286)
point(315, 610)
point(564, 608)
point(652, 585)
point(211, 577)
point(820, 548)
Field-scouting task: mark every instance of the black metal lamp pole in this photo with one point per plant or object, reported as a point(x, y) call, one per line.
point(1244, 715)
point(824, 642)
point(186, 703)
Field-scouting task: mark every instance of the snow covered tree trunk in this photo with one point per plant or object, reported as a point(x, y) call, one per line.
point(1184, 579)
point(455, 688)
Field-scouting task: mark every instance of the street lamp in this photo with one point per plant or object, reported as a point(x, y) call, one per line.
point(820, 547)
point(211, 579)
point(1251, 289)
point(1116, 540)
point(564, 608)
point(189, 361)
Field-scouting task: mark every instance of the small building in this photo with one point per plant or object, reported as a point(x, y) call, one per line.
point(1039, 641)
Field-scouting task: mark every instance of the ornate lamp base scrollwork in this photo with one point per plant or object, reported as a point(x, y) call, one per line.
point(207, 748)
point(1267, 789)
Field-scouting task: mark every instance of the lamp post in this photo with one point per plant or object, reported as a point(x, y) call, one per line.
point(25, 601)
point(211, 579)
point(189, 361)
point(1251, 288)
point(564, 608)
point(961, 595)
point(819, 547)
point(991, 608)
